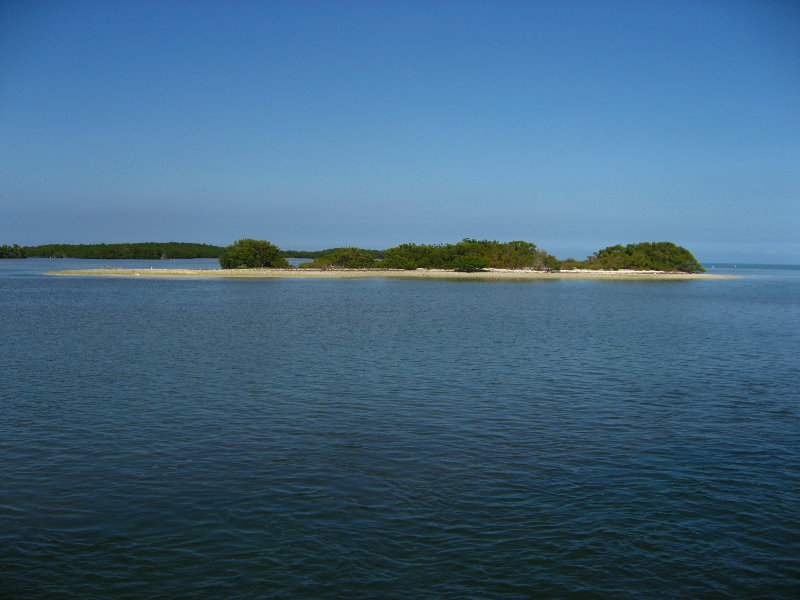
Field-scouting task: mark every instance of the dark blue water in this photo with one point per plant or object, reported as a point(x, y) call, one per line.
point(398, 438)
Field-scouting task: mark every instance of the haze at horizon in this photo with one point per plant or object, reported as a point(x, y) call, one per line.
point(574, 125)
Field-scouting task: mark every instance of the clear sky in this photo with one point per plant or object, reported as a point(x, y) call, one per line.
point(571, 124)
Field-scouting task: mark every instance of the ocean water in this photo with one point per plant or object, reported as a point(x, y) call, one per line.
point(380, 438)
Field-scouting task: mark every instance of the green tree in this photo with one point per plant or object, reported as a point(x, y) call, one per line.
point(251, 254)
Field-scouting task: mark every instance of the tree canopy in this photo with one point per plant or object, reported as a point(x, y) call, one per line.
point(251, 254)
point(14, 251)
point(320, 253)
point(343, 258)
point(645, 256)
point(470, 255)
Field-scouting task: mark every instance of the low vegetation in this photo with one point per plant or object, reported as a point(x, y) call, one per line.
point(343, 258)
point(645, 256)
point(313, 254)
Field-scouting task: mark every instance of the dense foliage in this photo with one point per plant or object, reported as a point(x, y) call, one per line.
point(343, 258)
point(646, 256)
point(251, 254)
point(378, 254)
point(470, 255)
point(469, 263)
point(141, 250)
point(14, 251)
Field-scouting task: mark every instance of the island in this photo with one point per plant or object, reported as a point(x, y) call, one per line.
point(467, 259)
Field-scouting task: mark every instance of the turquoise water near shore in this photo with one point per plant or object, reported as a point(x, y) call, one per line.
point(398, 438)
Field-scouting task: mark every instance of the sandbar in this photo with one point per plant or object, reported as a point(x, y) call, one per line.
point(490, 274)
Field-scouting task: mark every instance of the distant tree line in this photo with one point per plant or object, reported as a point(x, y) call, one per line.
point(14, 251)
point(645, 256)
point(146, 250)
point(139, 250)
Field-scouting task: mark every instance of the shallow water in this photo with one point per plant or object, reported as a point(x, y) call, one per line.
point(398, 438)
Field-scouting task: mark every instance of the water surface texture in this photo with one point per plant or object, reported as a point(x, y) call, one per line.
point(380, 438)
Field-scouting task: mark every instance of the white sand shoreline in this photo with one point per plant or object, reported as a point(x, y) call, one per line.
point(508, 274)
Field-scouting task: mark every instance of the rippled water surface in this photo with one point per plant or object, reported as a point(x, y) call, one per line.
point(398, 438)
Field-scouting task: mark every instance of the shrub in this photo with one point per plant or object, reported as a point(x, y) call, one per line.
point(469, 263)
point(343, 258)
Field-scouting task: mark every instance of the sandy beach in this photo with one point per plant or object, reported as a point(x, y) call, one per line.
point(491, 274)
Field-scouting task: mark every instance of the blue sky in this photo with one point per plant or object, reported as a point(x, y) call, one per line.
point(574, 125)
